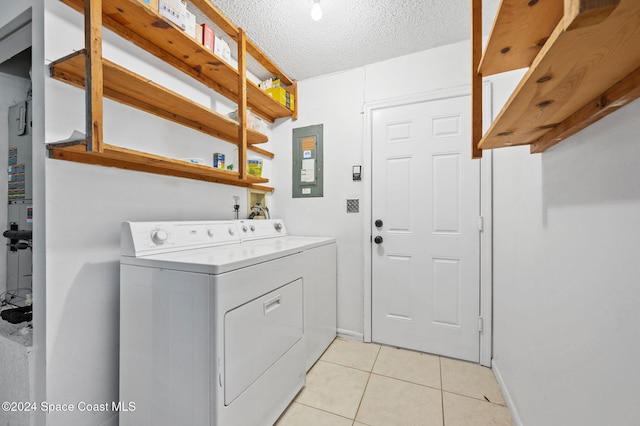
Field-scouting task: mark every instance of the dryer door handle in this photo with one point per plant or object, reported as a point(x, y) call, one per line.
point(271, 305)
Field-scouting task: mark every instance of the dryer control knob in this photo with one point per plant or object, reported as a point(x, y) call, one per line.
point(232, 231)
point(278, 226)
point(253, 228)
point(210, 232)
point(244, 228)
point(159, 236)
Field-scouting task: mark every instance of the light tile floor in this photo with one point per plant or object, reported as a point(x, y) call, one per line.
point(360, 384)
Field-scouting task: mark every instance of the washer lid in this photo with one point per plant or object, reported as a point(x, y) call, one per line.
point(309, 242)
point(220, 259)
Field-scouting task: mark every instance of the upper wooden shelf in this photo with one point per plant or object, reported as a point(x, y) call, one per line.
point(128, 159)
point(588, 67)
point(138, 23)
point(227, 26)
point(519, 31)
point(134, 90)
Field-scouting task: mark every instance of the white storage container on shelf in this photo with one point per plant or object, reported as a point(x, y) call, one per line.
point(253, 121)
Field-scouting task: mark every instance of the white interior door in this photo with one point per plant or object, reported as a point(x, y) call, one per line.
point(426, 247)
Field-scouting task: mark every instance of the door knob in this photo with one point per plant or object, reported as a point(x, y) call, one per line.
point(378, 223)
point(378, 239)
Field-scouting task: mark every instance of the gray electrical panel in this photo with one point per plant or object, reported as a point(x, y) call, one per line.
point(307, 162)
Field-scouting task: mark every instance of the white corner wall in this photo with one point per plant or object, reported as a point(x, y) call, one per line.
point(567, 276)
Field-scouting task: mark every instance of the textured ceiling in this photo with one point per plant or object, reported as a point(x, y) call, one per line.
point(351, 33)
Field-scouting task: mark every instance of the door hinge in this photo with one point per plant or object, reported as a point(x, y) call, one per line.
point(480, 223)
point(480, 324)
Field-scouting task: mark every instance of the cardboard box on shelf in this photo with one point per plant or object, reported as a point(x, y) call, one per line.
point(221, 49)
point(270, 83)
point(282, 96)
point(218, 160)
point(175, 11)
point(190, 24)
point(254, 167)
point(207, 36)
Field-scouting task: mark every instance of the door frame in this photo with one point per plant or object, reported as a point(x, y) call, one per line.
point(486, 197)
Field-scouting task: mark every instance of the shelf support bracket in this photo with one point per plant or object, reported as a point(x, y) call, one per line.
point(476, 78)
point(242, 104)
point(93, 73)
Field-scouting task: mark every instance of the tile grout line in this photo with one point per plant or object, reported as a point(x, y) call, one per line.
point(475, 399)
point(441, 389)
point(321, 409)
point(406, 381)
point(365, 386)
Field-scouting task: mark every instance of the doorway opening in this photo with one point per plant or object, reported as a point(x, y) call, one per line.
point(441, 276)
point(16, 219)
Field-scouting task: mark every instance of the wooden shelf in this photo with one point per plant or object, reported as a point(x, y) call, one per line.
point(100, 78)
point(128, 159)
point(221, 21)
point(143, 26)
point(134, 90)
point(519, 31)
point(588, 67)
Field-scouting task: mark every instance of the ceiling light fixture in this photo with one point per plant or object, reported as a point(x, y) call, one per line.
point(316, 12)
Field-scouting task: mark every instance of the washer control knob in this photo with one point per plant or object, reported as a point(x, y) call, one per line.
point(232, 231)
point(159, 236)
point(244, 228)
point(210, 232)
point(253, 228)
point(278, 226)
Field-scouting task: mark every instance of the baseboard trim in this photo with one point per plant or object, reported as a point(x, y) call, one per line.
point(515, 417)
point(350, 335)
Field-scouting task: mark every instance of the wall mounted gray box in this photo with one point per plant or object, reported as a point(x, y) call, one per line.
point(308, 166)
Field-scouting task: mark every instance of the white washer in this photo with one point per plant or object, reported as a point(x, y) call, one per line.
point(319, 279)
point(211, 329)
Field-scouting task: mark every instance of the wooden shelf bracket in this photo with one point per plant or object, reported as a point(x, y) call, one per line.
point(93, 72)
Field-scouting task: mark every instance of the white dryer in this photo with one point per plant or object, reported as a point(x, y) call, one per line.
point(211, 329)
point(319, 280)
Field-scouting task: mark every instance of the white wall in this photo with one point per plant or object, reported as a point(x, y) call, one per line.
point(566, 275)
point(336, 102)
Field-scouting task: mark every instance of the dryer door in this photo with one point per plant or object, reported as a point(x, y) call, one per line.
point(258, 333)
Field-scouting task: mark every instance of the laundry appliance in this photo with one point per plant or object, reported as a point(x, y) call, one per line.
point(319, 279)
point(214, 321)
